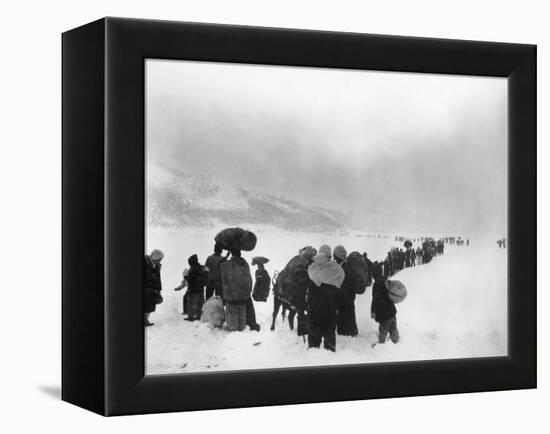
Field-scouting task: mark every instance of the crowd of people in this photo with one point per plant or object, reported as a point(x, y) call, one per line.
point(319, 287)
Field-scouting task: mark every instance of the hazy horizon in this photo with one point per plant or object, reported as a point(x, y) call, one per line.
point(425, 149)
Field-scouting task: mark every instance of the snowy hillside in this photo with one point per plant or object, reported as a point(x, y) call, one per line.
point(178, 200)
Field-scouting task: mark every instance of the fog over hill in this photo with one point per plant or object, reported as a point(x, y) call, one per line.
point(176, 199)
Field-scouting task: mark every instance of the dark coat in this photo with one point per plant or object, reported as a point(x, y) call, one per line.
point(197, 278)
point(382, 306)
point(152, 284)
point(236, 280)
point(346, 321)
point(214, 275)
point(261, 285)
point(321, 308)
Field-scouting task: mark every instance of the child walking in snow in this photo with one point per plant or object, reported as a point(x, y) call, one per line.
point(383, 310)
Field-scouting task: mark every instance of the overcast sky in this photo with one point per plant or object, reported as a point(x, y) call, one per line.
point(354, 141)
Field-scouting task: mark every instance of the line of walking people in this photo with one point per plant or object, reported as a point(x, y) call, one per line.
point(319, 287)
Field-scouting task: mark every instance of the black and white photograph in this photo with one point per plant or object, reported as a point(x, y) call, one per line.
point(301, 216)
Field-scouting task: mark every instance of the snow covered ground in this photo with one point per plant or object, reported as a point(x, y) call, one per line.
point(456, 307)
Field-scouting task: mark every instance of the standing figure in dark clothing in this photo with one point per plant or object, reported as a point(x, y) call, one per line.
point(214, 285)
point(368, 265)
point(383, 310)
point(346, 323)
point(262, 283)
point(153, 285)
point(197, 278)
point(326, 279)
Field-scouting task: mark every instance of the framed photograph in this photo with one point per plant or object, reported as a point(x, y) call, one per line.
point(257, 216)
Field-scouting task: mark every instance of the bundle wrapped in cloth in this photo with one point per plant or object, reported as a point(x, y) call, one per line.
point(259, 260)
point(236, 238)
point(396, 290)
point(323, 270)
point(213, 311)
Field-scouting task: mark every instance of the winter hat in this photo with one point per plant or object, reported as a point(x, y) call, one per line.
point(325, 249)
point(157, 255)
point(193, 260)
point(340, 252)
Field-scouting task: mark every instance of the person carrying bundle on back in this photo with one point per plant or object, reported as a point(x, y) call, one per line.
point(326, 279)
point(383, 309)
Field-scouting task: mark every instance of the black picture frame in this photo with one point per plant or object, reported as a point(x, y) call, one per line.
point(103, 215)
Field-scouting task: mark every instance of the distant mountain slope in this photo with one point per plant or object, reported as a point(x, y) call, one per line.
point(175, 199)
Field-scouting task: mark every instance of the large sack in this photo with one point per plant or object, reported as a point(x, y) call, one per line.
point(292, 278)
point(236, 238)
point(236, 280)
point(396, 290)
point(213, 312)
point(359, 273)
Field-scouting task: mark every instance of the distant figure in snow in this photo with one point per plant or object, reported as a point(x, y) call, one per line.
point(197, 278)
point(214, 285)
point(236, 290)
point(326, 279)
point(153, 285)
point(383, 310)
point(419, 255)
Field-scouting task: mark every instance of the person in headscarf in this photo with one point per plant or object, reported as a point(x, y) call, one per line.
point(326, 278)
point(197, 278)
point(346, 323)
point(152, 284)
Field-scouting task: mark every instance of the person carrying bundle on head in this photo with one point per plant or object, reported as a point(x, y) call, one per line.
point(262, 283)
point(236, 289)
